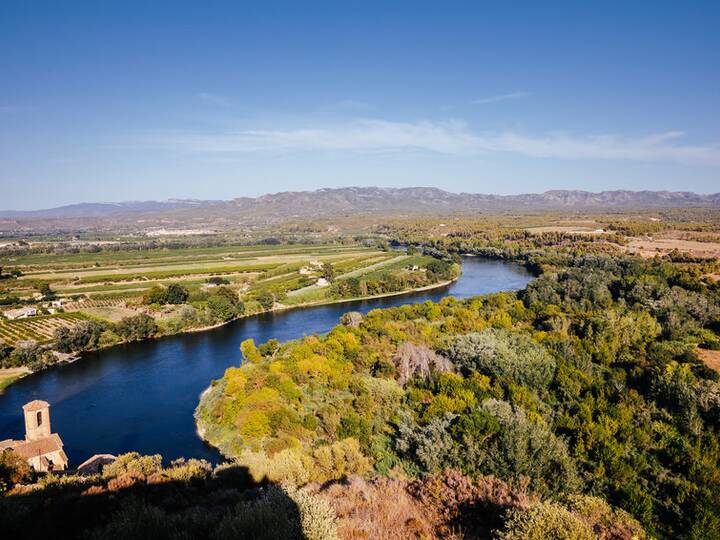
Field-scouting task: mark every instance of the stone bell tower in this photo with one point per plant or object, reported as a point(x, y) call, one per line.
point(37, 420)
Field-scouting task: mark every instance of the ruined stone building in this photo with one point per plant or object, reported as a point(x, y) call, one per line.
point(41, 448)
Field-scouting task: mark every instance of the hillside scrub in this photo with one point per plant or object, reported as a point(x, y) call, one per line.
point(139, 497)
point(584, 383)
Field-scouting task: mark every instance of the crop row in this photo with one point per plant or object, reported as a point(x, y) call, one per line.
point(94, 304)
point(178, 273)
point(40, 329)
point(129, 258)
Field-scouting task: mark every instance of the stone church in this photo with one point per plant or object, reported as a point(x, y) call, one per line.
point(41, 448)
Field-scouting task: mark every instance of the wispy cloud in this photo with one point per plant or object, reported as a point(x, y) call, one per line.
point(501, 97)
point(450, 137)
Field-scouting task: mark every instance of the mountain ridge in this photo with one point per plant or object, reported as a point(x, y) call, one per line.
point(331, 201)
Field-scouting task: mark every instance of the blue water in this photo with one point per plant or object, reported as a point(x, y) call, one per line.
point(141, 396)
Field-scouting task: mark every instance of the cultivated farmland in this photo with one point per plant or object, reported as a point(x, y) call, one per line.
point(111, 285)
point(40, 329)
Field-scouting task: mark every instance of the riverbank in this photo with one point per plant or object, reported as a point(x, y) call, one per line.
point(10, 375)
point(11, 378)
point(288, 307)
point(438, 285)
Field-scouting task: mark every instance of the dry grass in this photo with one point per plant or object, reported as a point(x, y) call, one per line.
point(711, 358)
point(114, 313)
point(664, 243)
point(449, 506)
point(379, 509)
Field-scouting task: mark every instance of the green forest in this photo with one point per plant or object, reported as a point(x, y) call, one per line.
point(586, 383)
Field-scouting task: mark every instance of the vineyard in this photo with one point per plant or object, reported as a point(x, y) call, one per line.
point(94, 303)
point(40, 329)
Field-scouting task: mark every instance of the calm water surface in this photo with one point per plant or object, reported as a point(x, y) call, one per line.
point(141, 396)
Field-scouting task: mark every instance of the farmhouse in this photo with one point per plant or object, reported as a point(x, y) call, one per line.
point(42, 449)
point(22, 313)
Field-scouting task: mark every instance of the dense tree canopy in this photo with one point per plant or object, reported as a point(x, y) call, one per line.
point(586, 382)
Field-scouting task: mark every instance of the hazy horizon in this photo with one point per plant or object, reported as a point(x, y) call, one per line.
point(310, 190)
point(135, 101)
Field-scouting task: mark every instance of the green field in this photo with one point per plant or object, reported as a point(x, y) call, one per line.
point(131, 273)
point(114, 285)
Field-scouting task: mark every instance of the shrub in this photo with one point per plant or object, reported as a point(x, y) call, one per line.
point(137, 519)
point(137, 327)
point(13, 470)
point(176, 294)
point(543, 521)
point(290, 466)
point(266, 300)
point(84, 335)
point(339, 460)
point(471, 505)
point(502, 353)
point(188, 470)
point(217, 280)
point(249, 351)
point(188, 316)
point(220, 308)
point(133, 462)
point(525, 448)
point(429, 445)
point(280, 513)
point(607, 523)
point(317, 518)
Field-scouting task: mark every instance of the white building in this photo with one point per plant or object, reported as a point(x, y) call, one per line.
point(22, 313)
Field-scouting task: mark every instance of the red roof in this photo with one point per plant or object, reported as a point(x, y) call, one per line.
point(46, 445)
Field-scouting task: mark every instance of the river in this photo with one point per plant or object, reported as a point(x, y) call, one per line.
point(141, 396)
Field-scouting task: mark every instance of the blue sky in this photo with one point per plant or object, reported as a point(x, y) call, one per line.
point(107, 101)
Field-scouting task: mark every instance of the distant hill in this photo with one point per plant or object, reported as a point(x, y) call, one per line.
point(327, 202)
point(373, 199)
point(104, 209)
point(421, 199)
